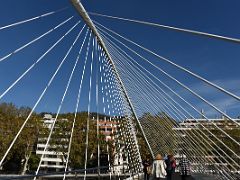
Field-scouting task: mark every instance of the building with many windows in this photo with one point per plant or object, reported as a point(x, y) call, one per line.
point(218, 131)
point(53, 159)
point(109, 128)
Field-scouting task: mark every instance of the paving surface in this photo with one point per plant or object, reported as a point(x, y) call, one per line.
point(177, 176)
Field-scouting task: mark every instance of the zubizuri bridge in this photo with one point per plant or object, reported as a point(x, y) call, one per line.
point(110, 100)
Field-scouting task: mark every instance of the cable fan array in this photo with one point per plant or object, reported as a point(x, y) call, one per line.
point(113, 102)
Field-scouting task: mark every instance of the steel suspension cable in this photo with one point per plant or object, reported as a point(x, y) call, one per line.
point(194, 134)
point(62, 100)
point(139, 71)
point(168, 129)
point(104, 79)
point(76, 109)
point(111, 73)
point(127, 135)
point(107, 71)
point(193, 141)
point(120, 133)
point(34, 40)
point(185, 87)
point(128, 56)
point(97, 104)
point(82, 77)
point(104, 112)
point(190, 136)
point(172, 63)
point(141, 85)
point(126, 138)
point(165, 86)
point(83, 13)
point(108, 96)
point(31, 19)
point(177, 108)
point(209, 35)
point(135, 140)
point(35, 105)
point(34, 64)
point(88, 110)
point(137, 79)
point(194, 118)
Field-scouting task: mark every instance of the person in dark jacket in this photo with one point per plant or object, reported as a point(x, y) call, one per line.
point(146, 168)
point(171, 165)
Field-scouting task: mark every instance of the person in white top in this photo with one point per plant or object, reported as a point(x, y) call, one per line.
point(159, 168)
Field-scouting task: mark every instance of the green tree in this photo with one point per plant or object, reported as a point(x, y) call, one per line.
point(11, 119)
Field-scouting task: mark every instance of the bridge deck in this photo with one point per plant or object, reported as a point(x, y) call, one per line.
point(105, 177)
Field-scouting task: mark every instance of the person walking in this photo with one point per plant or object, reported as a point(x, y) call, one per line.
point(184, 168)
point(147, 168)
point(171, 165)
point(158, 168)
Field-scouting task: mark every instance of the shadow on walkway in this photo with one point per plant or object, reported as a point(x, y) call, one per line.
point(177, 176)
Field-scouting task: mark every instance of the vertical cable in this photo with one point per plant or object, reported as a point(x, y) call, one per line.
point(97, 104)
point(62, 100)
point(89, 106)
point(76, 109)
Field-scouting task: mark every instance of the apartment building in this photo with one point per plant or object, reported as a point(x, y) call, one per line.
point(210, 127)
point(109, 128)
point(53, 159)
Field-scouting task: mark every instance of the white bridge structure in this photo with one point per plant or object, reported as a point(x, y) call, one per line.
point(110, 77)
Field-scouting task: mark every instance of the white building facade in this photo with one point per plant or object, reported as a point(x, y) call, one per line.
point(53, 160)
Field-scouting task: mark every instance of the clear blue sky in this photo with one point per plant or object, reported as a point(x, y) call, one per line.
point(215, 60)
